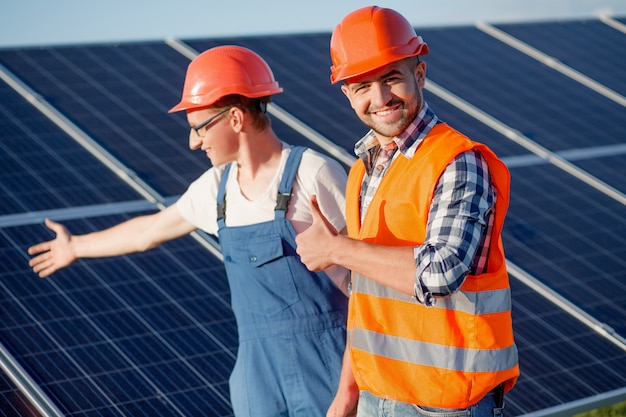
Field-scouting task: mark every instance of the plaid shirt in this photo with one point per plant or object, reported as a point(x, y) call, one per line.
point(459, 222)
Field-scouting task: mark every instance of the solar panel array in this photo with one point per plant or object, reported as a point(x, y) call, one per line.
point(86, 139)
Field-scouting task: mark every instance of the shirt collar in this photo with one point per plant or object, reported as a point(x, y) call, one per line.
point(407, 141)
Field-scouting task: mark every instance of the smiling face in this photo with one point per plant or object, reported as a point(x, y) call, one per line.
point(388, 98)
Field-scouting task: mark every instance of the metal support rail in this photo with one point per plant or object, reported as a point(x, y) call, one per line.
point(615, 24)
point(26, 385)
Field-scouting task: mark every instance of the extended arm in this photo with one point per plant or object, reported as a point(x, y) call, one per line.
point(134, 235)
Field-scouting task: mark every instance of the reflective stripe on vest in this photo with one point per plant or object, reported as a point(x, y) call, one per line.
point(445, 357)
point(486, 302)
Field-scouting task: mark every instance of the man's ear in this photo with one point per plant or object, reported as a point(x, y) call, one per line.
point(420, 73)
point(237, 118)
point(346, 92)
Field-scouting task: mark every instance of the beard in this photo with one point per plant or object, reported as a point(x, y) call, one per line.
point(391, 130)
point(408, 110)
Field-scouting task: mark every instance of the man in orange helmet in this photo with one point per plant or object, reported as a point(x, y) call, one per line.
point(429, 322)
point(291, 321)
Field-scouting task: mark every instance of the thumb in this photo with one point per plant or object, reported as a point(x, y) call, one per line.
point(315, 209)
point(54, 226)
point(318, 216)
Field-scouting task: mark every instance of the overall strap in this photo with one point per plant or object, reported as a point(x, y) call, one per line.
point(286, 182)
point(221, 193)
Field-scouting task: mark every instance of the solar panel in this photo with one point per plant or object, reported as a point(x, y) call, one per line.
point(579, 253)
point(114, 337)
point(97, 86)
point(588, 46)
point(153, 334)
point(525, 94)
point(560, 360)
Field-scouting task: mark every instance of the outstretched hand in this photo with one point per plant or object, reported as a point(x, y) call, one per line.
point(314, 245)
point(53, 254)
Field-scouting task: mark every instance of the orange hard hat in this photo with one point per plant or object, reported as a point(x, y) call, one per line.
point(370, 38)
point(222, 71)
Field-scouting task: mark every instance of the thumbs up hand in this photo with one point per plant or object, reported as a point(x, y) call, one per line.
point(315, 244)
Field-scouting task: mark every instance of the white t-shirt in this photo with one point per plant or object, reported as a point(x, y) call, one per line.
point(317, 175)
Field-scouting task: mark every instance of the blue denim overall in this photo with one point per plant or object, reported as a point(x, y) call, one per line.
point(291, 321)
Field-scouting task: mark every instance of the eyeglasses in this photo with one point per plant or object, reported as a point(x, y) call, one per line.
point(207, 122)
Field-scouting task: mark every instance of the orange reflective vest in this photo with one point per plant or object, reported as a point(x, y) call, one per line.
point(450, 355)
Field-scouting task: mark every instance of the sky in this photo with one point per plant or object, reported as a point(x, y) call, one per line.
point(28, 23)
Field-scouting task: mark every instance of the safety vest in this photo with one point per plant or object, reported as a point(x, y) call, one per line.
point(450, 355)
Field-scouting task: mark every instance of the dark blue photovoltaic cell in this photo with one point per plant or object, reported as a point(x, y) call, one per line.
point(42, 168)
point(502, 146)
point(590, 47)
point(153, 333)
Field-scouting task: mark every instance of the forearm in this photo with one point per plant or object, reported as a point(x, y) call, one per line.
point(135, 235)
point(391, 266)
point(127, 237)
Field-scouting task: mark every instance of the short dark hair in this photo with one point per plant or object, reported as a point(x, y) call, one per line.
point(256, 107)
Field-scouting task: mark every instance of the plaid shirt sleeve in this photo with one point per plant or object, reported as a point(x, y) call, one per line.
point(459, 225)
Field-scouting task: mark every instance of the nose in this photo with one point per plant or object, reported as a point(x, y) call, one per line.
point(380, 94)
point(194, 140)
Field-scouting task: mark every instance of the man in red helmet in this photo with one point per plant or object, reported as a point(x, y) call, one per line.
point(291, 321)
point(429, 321)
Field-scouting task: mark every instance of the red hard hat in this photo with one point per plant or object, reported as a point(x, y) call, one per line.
point(222, 71)
point(370, 38)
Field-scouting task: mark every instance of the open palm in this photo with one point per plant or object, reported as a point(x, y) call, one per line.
point(53, 254)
